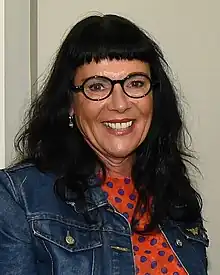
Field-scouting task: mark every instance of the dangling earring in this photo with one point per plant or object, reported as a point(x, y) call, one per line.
point(71, 121)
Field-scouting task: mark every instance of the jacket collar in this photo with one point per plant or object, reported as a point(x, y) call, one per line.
point(94, 196)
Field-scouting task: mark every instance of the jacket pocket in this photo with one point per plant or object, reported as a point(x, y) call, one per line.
point(66, 235)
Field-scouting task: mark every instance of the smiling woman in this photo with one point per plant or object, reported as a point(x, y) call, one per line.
point(101, 186)
point(117, 124)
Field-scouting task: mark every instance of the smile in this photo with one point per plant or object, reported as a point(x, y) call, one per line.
point(118, 125)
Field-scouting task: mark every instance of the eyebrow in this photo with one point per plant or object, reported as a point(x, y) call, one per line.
point(131, 73)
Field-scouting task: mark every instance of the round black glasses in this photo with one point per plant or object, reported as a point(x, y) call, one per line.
point(97, 87)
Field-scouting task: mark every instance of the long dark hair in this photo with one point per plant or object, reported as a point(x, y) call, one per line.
point(160, 171)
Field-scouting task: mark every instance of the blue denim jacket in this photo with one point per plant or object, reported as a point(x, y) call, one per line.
point(42, 234)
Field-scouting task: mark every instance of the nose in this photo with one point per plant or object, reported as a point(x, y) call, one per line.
point(118, 101)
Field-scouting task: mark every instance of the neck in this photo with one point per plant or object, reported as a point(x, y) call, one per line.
point(118, 167)
point(115, 166)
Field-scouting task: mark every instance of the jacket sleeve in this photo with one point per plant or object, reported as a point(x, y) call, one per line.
point(16, 251)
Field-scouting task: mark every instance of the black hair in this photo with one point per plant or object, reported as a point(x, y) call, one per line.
point(160, 168)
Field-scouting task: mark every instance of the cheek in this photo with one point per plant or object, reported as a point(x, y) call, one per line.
point(145, 107)
point(146, 110)
point(86, 112)
point(79, 111)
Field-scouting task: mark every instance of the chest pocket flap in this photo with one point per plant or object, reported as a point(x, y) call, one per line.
point(73, 238)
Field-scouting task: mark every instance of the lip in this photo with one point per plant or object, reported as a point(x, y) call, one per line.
point(120, 132)
point(119, 120)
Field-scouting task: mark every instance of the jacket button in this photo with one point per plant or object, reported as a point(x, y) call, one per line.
point(179, 243)
point(69, 239)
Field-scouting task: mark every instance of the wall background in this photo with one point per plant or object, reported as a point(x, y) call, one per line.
point(2, 86)
point(14, 73)
point(188, 32)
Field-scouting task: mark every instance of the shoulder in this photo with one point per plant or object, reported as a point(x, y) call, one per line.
point(194, 231)
point(189, 240)
point(25, 169)
point(24, 178)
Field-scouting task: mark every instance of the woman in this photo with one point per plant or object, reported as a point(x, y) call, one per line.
point(102, 186)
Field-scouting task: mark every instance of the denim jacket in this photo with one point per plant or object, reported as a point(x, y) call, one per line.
point(42, 234)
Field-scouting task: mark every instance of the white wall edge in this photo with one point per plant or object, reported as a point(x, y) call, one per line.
point(17, 70)
point(2, 84)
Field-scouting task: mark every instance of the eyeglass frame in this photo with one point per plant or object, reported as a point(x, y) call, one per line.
point(80, 88)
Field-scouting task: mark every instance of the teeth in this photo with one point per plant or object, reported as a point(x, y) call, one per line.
point(118, 126)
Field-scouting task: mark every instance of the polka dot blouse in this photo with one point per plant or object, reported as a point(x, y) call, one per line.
point(152, 253)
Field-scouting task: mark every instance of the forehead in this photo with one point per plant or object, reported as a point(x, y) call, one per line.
point(114, 69)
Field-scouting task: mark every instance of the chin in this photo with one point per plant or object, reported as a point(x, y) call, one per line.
point(120, 154)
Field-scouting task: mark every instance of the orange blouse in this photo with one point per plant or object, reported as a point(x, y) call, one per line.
point(152, 253)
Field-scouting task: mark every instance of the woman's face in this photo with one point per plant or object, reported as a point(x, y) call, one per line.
point(97, 119)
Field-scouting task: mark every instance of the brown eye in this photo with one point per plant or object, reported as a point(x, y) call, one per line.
point(97, 84)
point(96, 87)
point(136, 84)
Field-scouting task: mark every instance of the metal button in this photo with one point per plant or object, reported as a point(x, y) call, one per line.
point(69, 239)
point(110, 209)
point(179, 243)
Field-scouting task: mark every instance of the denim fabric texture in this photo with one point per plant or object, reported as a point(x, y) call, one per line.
point(42, 234)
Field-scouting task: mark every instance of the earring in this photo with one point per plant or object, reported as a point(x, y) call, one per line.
point(71, 121)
